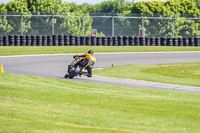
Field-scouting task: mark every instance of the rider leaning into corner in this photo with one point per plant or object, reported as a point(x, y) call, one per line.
point(91, 58)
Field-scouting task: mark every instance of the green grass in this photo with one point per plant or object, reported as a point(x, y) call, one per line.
point(29, 50)
point(36, 104)
point(183, 73)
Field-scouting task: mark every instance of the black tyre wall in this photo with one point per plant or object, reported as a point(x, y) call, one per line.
point(88, 41)
point(142, 41)
point(120, 40)
point(49, 41)
point(137, 41)
point(131, 41)
point(180, 41)
point(55, 40)
point(197, 41)
point(72, 40)
point(60, 40)
point(33, 40)
point(104, 41)
point(22, 40)
point(169, 42)
point(44, 40)
point(5, 41)
point(110, 42)
point(152, 41)
point(77, 41)
point(175, 41)
point(66, 40)
point(1, 41)
point(147, 41)
point(157, 41)
point(93, 41)
point(99, 41)
point(39, 40)
point(17, 40)
point(163, 41)
point(83, 40)
point(185, 42)
point(191, 41)
point(28, 40)
point(125, 40)
point(11, 39)
point(115, 41)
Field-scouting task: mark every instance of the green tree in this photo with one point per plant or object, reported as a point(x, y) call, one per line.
point(10, 24)
point(4, 26)
point(197, 3)
point(43, 25)
point(171, 9)
point(66, 24)
point(106, 8)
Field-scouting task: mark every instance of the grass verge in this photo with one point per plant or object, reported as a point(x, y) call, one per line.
point(37, 104)
point(29, 50)
point(183, 73)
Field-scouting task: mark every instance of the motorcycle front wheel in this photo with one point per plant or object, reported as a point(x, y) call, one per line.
point(66, 76)
point(74, 73)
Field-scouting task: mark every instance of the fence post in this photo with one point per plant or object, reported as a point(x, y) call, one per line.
point(173, 27)
point(52, 25)
point(113, 26)
point(21, 24)
point(142, 22)
point(143, 32)
point(83, 24)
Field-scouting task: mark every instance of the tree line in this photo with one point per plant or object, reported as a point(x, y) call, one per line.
point(73, 25)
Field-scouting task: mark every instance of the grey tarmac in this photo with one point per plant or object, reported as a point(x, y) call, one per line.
point(138, 84)
point(55, 66)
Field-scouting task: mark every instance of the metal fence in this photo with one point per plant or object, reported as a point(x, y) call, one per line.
point(106, 25)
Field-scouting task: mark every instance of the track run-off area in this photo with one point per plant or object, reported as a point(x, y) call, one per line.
point(55, 66)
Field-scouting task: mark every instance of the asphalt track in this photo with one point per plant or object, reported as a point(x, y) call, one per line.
point(54, 66)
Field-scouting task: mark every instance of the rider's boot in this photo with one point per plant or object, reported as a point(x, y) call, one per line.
point(87, 74)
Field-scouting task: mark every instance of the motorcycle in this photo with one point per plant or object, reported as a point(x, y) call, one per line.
point(77, 67)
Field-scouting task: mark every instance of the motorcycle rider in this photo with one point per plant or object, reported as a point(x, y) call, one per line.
point(91, 58)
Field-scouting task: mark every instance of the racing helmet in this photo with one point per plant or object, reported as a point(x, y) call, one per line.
point(90, 52)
